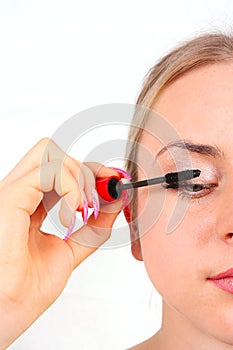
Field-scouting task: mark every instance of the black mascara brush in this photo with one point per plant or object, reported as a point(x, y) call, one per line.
point(111, 188)
point(168, 178)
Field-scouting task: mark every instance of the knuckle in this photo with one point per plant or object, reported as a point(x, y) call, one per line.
point(43, 141)
point(76, 162)
point(89, 173)
point(51, 149)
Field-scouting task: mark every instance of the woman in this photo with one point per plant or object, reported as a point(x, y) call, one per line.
point(192, 88)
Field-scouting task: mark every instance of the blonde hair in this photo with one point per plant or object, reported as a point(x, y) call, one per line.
point(205, 49)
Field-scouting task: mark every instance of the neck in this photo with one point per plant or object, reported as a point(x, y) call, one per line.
point(178, 332)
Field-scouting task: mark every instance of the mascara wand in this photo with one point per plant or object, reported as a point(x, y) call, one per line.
point(111, 188)
point(168, 178)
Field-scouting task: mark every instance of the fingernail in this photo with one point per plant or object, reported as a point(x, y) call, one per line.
point(84, 209)
point(95, 202)
point(71, 227)
point(123, 172)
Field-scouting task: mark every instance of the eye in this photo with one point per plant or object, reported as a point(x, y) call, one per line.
point(191, 190)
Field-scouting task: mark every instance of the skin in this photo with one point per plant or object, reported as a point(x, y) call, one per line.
point(196, 313)
point(35, 266)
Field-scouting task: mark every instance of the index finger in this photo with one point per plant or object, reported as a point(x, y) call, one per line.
point(44, 151)
point(96, 232)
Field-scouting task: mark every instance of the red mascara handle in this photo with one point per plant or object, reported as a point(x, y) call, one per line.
point(106, 188)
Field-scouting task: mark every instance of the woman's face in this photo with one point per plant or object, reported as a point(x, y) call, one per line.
point(199, 106)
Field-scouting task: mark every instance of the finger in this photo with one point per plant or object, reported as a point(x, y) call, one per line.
point(22, 198)
point(90, 237)
point(56, 176)
point(91, 170)
point(89, 183)
point(44, 151)
point(100, 170)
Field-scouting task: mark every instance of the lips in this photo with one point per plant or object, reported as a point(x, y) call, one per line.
point(223, 280)
point(228, 273)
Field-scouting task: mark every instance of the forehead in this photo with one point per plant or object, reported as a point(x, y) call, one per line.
point(199, 105)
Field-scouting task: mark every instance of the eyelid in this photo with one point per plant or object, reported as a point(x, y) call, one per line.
point(209, 173)
point(207, 189)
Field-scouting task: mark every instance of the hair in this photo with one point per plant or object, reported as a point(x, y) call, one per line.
point(209, 48)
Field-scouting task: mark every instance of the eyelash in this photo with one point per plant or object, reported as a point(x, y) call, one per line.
point(203, 189)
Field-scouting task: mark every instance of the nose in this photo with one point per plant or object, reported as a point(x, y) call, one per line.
point(224, 218)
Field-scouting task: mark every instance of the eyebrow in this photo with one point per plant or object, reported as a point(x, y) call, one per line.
point(204, 149)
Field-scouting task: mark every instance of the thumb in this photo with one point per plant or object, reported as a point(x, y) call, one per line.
point(91, 236)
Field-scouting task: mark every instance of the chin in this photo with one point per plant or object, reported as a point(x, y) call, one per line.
point(222, 328)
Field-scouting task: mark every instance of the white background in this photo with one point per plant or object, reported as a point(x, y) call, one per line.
point(58, 58)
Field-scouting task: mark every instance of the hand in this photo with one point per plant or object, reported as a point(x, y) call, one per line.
point(35, 266)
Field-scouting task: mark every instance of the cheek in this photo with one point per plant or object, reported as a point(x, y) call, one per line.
point(176, 262)
point(178, 266)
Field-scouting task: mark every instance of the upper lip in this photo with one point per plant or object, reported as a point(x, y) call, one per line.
point(225, 274)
